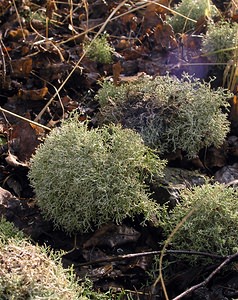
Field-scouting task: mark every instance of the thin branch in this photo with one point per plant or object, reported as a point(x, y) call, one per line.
point(167, 242)
point(148, 253)
point(206, 281)
point(24, 119)
point(77, 65)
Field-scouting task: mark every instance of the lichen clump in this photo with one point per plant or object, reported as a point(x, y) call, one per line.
point(212, 227)
point(84, 178)
point(169, 113)
point(32, 272)
point(192, 9)
point(219, 41)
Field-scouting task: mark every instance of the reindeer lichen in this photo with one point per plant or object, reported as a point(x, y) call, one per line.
point(84, 178)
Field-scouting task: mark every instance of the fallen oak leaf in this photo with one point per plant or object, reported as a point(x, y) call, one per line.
point(153, 12)
point(24, 139)
point(112, 236)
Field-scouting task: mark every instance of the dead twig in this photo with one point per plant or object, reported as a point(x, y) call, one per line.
point(24, 119)
point(206, 281)
point(167, 242)
point(77, 65)
point(148, 253)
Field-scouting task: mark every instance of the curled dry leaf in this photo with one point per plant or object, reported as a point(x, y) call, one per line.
point(24, 139)
point(5, 196)
point(164, 35)
point(18, 34)
point(13, 161)
point(154, 11)
point(34, 95)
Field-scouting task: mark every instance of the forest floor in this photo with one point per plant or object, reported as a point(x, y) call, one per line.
point(45, 76)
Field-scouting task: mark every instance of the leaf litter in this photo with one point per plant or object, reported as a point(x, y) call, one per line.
point(45, 75)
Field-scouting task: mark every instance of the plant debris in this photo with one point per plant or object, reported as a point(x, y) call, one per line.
point(48, 70)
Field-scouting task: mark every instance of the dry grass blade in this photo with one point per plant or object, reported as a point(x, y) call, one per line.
point(19, 19)
point(163, 252)
point(77, 65)
point(24, 119)
point(230, 76)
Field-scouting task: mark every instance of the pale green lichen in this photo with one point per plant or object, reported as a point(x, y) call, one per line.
point(32, 272)
point(193, 9)
point(219, 41)
point(84, 178)
point(211, 228)
point(169, 113)
point(36, 273)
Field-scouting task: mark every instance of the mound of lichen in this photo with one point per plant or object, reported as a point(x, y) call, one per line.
point(192, 9)
point(84, 178)
point(212, 226)
point(32, 272)
point(169, 113)
point(219, 41)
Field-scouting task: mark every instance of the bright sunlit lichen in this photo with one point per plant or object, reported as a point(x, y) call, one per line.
point(169, 113)
point(212, 226)
point(85, 178)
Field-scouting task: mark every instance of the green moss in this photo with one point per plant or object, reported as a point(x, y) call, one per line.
point(99, 50)
point(193, 9)
point(169, 113)
point(86, 178)
point(219, 40)
point(212, 227)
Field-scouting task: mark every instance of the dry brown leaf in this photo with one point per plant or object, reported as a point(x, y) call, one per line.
point(16, 34)
point(215, 158)
point(116, 69)
point(164, 35)
point(130, 21)
point(227, 174)
point(5, 196)
point(33, 95)
point(153, 12)
point(22, 67)
point(24, 140)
